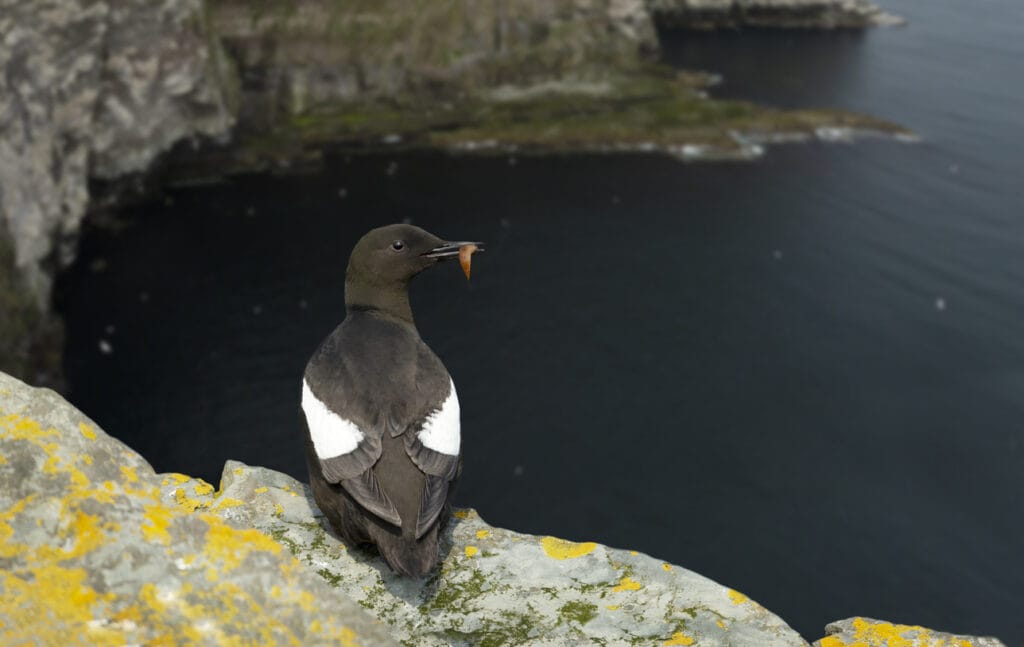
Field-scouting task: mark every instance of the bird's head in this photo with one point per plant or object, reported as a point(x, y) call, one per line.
point(393, 254)
point(387, 258)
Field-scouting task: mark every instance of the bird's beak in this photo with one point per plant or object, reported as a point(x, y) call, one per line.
point(450, 250)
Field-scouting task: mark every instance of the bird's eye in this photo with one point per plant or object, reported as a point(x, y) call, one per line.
point(398, 245)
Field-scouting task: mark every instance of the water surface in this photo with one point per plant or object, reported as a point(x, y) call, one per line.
point(803, 377)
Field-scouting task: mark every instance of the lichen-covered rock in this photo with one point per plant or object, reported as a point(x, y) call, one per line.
point(90, 552)
point(800, 14)
point(95, 548)
point(495, 586)
point(865, 632)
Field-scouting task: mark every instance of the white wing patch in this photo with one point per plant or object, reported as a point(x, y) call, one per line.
point(440, 430)
point(332, 435)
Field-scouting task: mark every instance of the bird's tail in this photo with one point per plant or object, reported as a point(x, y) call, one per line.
point(403, 552)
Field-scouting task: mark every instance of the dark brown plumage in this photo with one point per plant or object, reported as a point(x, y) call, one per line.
point(380, 411)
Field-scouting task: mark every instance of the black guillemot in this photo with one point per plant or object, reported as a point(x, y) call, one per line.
point(380, 411)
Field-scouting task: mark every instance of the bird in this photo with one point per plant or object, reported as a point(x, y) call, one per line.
point(379, 408)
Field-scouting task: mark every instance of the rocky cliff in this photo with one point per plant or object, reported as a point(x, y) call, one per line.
point(94, 89)
point(99, 89)
point(96, 547)
point(293, 56)
point(88, 89)
point(94, 553)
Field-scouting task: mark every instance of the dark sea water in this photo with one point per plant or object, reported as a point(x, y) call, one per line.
point(801, 377)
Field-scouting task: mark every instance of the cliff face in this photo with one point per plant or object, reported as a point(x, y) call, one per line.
point(98, 89)
point(93, 89)
point(97, 547)
point(88, 89)
point(295, 55)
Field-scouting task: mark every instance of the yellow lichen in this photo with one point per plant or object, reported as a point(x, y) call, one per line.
point(627, 584)
point(7, 547)
point(228, 502)
point(556, 548)
point(666, 567)
point(612, 607)
point(348, 637)
point(471, 550)
point(58, 594)
point(886, 634)
point(260, 490)
point(461, 514)
point(229, 546)
point(481, 534)
point(87, 532)
point(174, 478)
point(57, 466)
point(678, 638)
point(15, 427)
point(49, 600)
point(202, 488)
point(159, 518)
point(737, 597)
point(188, 503)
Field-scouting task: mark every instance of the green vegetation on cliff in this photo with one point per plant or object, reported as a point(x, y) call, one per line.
point(660, 110)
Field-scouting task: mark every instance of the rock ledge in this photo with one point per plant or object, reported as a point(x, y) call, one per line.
point(95, 546)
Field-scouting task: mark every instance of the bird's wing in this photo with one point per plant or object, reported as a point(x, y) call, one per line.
point(434, 447)
point(347, 448)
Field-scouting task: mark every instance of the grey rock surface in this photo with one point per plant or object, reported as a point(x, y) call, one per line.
point(805, 14)
point(93, 88)
point(91, 553)
point(866, 632)
point(496, 586)
point(95, 548)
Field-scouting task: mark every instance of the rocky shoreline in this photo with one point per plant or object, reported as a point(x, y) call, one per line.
point(97, 93)
point(777, 14)
point(97, 546)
